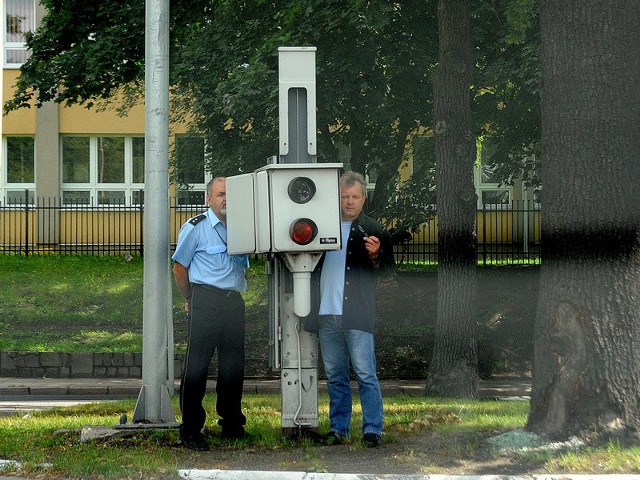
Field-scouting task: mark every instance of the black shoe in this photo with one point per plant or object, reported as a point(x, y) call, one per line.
point(194, 441)
point(371, 440)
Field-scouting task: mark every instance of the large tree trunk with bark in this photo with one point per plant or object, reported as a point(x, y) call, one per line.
point(454, 367)
point(587, 335)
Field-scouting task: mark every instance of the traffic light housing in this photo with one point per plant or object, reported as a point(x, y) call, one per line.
point(284, 208)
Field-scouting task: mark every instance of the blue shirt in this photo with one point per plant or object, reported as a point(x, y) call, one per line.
point(332, 277)
point(202, 248)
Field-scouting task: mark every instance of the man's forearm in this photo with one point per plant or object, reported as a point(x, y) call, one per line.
point(181, 275)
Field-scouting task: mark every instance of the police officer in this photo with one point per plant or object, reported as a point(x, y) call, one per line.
point(210, 281)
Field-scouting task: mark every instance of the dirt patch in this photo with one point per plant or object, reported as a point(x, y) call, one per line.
point(418, 452)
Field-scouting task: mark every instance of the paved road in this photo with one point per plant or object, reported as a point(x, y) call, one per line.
point(23, 404)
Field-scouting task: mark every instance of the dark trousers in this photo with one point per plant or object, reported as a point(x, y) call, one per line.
point(216, 322)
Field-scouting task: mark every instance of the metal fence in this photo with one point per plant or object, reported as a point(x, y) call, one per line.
point(505, 233)
point(51, 227)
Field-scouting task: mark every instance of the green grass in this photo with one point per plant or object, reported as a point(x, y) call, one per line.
point(32, 440)
point(73, 303)
point(76, 288)
point(84, 303)
point(450, 432)
point(618, 459)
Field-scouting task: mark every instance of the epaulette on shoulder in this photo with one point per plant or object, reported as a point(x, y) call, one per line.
point(197, 219)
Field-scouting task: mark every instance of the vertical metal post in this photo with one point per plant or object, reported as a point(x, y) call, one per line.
point(141, 224)
point(274, 312)
point(26, 228)
point(154, 405)
point(525, 220)
point(484, 234)
point(299, 349)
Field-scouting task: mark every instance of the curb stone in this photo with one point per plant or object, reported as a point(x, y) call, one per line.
point(274, 475)
point(499, 387)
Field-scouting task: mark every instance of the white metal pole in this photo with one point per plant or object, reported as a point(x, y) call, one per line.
point(154, 404)
point(297, 144)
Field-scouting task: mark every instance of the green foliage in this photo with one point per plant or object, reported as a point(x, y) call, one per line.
point(506, 104)
point(374, 63)
point(415, 199)
point(371, 57)
point(85, 52)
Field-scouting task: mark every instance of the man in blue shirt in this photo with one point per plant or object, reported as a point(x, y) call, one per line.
point(210, 281)
point(347, 312)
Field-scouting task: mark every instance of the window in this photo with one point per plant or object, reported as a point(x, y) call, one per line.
point(18, 172)
point(110, 160)
point(137, 172)
point(191, 178)
point(371, 177)
point(75, 159)
point(19, 18)
point(491, 193)
point(536, 198)
point(494, 197)
point(102, 171)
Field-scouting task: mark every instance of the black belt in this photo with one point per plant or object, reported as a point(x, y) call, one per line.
point(216, 290)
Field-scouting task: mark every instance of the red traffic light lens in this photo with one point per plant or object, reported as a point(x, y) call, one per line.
point(303, 231)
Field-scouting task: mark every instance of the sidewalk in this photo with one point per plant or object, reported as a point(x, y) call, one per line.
point(498, 387)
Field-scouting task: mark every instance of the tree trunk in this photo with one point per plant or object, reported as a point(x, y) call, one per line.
point(587, 334)
point(454, 368)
